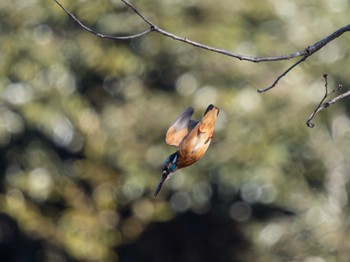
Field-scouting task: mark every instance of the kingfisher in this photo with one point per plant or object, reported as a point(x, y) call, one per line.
point(192, 139)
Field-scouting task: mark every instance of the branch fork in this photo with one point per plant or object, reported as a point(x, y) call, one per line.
point(307, 52)
point(323, 105)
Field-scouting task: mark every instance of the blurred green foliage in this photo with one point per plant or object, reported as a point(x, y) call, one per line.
point(83, 119)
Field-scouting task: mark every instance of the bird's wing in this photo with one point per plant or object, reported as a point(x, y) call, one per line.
point(180, 128)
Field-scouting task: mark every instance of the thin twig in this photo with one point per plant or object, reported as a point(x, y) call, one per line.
point(133, 8)
point(321, 106)
point(283, 74)
point(308, 122)
point(154, 28)
point(99, 34)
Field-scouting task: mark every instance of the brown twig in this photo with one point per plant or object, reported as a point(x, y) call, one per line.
point(99, 34)
point(154, 28)
point(283, 74)
point(321, 106)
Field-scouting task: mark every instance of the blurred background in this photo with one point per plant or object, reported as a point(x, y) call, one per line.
point(83, 120)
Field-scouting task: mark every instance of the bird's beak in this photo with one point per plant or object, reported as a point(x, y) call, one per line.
point(162, 180)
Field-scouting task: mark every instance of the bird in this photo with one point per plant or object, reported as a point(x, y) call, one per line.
point(192, 139)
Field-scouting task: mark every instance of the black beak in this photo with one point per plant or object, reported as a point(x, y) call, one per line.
point(162, 180)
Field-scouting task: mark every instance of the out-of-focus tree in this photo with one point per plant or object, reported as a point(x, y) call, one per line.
point(82, 124)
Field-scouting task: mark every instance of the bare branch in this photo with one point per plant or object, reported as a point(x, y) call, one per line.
point(133, 8)
point(322, 105)
point(307, 52)
point(154, 28)
point(283, 74)
point(99, 34)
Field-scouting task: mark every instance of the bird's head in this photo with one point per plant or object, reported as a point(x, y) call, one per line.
point(170, 167)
